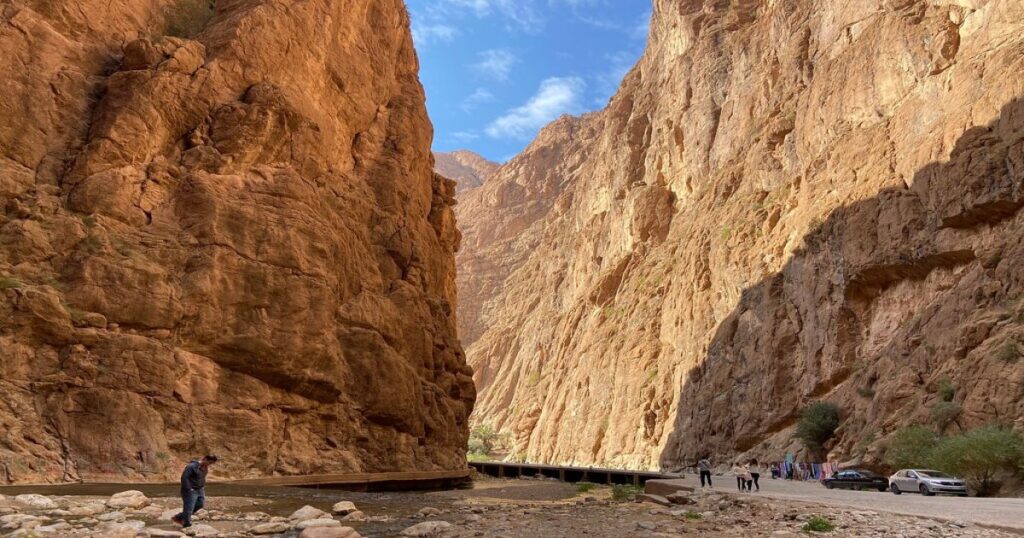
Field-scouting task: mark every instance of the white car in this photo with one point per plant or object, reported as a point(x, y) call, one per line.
point(926, 482)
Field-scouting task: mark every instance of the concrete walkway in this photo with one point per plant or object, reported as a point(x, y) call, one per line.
point(999, 512)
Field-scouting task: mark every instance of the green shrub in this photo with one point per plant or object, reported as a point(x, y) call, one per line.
point(476, 456)
point(817, 425)
point(980, 455)
point(483, 439)
point(625, 492)
point(866, 392)
point(944, 413)
point(911, 447)
point(1008, 352)
point(188, 17)
point(690, 514)
point(8, 283)
point(818, 524)
point(584, 487)
point(946, 390)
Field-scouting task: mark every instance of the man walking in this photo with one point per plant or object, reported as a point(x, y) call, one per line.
point(193, 494)
point(704, 468)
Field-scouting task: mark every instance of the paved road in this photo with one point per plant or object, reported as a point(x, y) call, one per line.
point(1001, 512)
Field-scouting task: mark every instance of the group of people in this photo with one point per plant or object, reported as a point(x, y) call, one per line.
point(747, 474)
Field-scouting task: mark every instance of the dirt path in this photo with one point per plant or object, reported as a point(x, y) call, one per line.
point(1000, 512)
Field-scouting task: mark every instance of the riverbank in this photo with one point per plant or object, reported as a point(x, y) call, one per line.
point(492, 508)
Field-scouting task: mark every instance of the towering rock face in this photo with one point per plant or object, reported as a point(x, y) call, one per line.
point(469, 170)
point(786, 202)
point(222, 233)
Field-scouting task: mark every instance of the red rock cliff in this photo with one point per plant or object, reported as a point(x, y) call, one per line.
point(786, 202)
point(222, 233)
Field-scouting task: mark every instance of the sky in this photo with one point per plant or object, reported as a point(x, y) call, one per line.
point(496, 71)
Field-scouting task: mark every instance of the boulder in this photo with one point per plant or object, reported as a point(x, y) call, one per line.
point(428, 511)
point(358, 515)
point(55, 528)
point(330, 532)
point(128, 499)
point(319, 522)
point(202, 530)
point(680, 497)
point(652, 498)
point(164, 533)
point(343, 508)
point(308, 512)
point(429, 529)
point(37, 502)
point(270, 528)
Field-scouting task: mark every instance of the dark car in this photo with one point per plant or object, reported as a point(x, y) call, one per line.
point(857, 479)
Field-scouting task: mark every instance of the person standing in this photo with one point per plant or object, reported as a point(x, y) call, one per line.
point(704, 468)
point(755, 473)
point(193, 489)
point(742, 476)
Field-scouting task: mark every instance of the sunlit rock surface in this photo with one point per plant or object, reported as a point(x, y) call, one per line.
point(785, 202)
point(221, 233)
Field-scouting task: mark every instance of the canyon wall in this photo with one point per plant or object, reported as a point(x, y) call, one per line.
point(786, 202)
point(221, 233)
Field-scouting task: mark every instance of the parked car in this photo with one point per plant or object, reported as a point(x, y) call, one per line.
point(926, 482)
point(856, 479)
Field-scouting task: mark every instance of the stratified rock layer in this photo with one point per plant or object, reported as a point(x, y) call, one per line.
point(469, 170)
point(786, 202)
point(230, 240)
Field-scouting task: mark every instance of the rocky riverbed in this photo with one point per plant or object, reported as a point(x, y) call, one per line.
point(492, 508)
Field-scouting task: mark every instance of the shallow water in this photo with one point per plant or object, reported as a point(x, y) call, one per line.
point(400, 507)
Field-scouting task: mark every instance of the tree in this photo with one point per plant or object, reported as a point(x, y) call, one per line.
point(911, 447)
point(483, 440)
point(980, 455)
point(817, 425)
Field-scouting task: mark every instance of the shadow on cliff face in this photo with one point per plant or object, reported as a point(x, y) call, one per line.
point(890, 298)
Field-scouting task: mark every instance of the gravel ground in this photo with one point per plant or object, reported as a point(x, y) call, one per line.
point(1007, 513)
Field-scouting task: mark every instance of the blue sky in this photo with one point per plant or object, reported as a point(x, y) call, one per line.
point(496, 71)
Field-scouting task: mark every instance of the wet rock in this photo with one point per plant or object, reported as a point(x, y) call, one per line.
point(34, 501)
point(270, 528)
point(202, 530)
point(111, 516)
point(58, 527)
point(329, 532)
point(429, 529)
point(164, 533)
point(318, 522)
point(343, 508)
point(308, 512)
point(358, 515)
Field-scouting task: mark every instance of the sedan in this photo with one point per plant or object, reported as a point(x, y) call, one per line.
point(926, 482)
point(857, 479)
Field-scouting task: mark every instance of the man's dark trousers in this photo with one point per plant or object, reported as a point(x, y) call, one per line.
point(705, 475)
point(192, 502)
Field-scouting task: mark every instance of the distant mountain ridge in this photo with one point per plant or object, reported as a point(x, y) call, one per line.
point(468, 169)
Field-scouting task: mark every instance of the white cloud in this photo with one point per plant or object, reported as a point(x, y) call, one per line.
point(556, 96)
point(475, 99)
point(519, 13)
point(496, 63)
point(465, 136)
point(423, 34)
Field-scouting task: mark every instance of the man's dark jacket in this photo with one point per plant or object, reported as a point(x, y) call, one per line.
point(193, 477)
